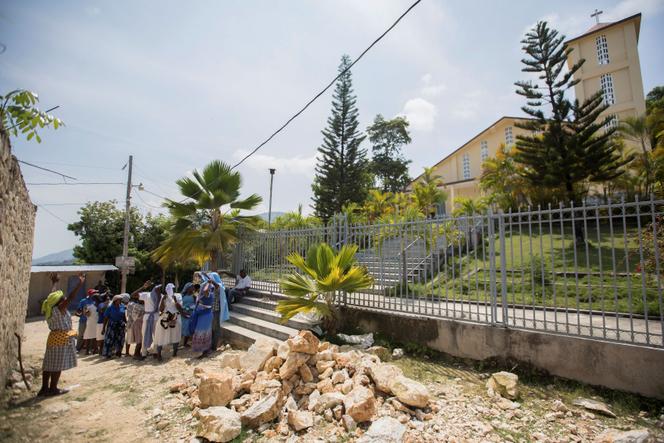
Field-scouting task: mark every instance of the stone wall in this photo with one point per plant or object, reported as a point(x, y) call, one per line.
point(17, 222)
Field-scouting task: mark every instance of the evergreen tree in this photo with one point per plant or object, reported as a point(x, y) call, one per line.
point(388, 165)
point(342, 170)
point(570, 144)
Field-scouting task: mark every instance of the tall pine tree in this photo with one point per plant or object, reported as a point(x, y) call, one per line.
point(570, 145)
point(342, 169)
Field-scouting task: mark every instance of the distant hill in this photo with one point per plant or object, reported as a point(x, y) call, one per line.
point(65, 257)
point(275, 214)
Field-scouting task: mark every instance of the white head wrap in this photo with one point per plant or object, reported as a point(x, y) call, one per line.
point(170, 289)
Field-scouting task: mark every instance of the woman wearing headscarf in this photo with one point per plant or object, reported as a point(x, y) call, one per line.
point(134, 314)
point(200, 325)
point(60, 352)
point(114, 327)
point(168, 330)
point(188, 305)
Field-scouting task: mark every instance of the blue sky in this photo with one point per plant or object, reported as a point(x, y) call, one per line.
point(177, 84)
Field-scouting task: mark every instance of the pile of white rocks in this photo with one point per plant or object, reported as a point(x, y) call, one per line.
point(286, 388)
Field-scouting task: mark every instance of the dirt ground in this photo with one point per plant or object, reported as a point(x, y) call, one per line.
point(125, 400)
point(110, 400)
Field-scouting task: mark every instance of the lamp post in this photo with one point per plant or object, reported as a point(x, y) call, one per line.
point(269, 211)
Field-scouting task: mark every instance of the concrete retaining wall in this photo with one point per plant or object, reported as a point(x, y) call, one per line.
point(17, 221)
point(619, 366)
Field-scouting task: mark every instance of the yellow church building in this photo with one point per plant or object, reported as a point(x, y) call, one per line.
point(612, 65)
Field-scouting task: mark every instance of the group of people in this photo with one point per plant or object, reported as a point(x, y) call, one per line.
point(151, 318)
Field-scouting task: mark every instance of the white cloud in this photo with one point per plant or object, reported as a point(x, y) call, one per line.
point(420, 113)
point(431, 89)
point(284, 165)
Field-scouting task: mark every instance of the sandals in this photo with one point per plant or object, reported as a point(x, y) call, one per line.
point(56, 391)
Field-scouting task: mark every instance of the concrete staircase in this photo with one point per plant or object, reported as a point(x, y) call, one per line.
point(254, 317)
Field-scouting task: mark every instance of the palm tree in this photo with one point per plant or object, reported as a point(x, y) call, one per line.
point(466, 206)
point(207, 225)
point(427, 192)
point(377, 204)
point(501, 180)
point(643, 131)
point(324, 275)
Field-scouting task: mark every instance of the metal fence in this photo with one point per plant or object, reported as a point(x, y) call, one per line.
point(594, 271)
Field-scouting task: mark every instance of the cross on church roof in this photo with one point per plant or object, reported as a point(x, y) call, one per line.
point(596, 14)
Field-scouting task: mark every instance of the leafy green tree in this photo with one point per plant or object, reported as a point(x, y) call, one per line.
point(655, 99)
point(295, 220)
point(342, 170)
point(570, 145)
point(205, 226)
point(100, 230)
point(466, 206)
point(388, 164)
point(427, 193)
point(501, 179)
point(642, 131)
point(323, 276)
point(19, 114)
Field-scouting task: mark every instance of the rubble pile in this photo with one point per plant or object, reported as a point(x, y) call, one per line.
point(287, 388)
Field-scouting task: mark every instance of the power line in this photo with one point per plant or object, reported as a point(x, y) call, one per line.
point(329, 85)
point(138, 194)
point(48, 170)
point(72, 165)
point(52, 214)
point(75, 184)
point(63, 204)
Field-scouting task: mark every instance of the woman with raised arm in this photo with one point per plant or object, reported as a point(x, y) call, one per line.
point(60, 352)
point(200, 324)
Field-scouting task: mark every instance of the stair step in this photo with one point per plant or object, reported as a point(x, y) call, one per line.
point(267, 314)
point(241, 337)
point(274, 330)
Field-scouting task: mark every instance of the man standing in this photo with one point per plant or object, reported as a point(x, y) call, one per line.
point(82, 318)
point(242, 286)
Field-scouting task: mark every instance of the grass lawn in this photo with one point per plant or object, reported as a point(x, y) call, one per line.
point(547, 270)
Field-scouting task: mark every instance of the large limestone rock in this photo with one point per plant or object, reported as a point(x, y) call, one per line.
point(306, 374)
point(305, 342)
point(634, 436)
point(230, 360)
point(262, 411)
point(383, 375)
point(595, 406)
point(504, 384)
point(410, 392)
point(292, 364)
point(216, 389)
point(381, 352)
point(325, 401)
point(218, 424)
point(384, 430)
point(300, 420)
point(258, 354)
point(283, 350)
point(360, 404)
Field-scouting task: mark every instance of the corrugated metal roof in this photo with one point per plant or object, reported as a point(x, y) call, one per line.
point(73, 268)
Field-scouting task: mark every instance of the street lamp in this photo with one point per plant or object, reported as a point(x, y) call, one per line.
point(269, 213)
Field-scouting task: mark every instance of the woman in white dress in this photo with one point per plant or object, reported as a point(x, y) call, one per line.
point(168, 329)
point(90, 334)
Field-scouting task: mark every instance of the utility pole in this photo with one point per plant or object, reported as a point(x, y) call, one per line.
point(269, 213)
point(125, 238)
